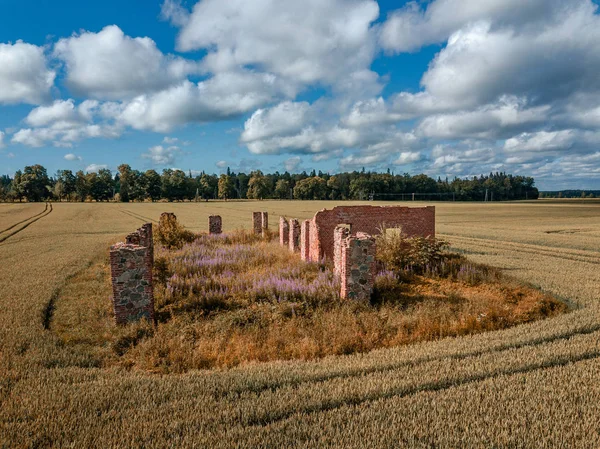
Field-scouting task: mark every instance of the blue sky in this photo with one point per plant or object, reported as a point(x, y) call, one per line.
point(444, 87)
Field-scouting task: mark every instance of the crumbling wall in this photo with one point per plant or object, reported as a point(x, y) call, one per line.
point(260, 222)
point(305, 240)
point(131, 266)
point(257, 222)
point(414, 222)
point(355, 264)
point(284, 231)
point(215, 224)
point(294, 239)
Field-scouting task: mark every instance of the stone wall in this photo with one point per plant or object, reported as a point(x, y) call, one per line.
point(340, 235)
point(215, 224)
point(294, 239)
point(284, 231)
point(257, 222)
point(260, 222)
point(355, 264)
point(414, 222)
point(131, 266)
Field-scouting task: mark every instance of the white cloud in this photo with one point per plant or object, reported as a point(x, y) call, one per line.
point(488, 122)
point(72, 157)
point(292, 163)
point(411, 27)
point(95, 168)
point(173, 11)
point(61, 124)
point(170, 140)
point(2, 145)
point(10, 155)
point(221, 164)
point(24, 74)
point(316, 41)
point(160, 155)
point(111, 65)
point(408, 157)
point(284, 119)
point(224, 96)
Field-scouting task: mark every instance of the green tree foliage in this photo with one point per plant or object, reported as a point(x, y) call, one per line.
point(226, 188)
point(282, 189)
point(33, 183)
point(313, 188)
point(175, 185)
point(258, 186)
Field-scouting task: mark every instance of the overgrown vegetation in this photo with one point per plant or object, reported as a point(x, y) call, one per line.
point(473, 391)
point(224, 300)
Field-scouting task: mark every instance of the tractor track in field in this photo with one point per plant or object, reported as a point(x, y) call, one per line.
point(362, 371)
point(27, 222)
point(592, 257)
point(432, 386)
point(23, 221)
point(138, 216)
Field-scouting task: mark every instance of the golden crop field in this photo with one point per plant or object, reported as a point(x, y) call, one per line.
point(535, 385)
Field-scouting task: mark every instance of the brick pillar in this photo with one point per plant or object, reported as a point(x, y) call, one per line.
point(215, 224)
point(257, 222)
point(284, 231)
point(305, 240)
point(340, 235)
point(131, 278)
point(294, 239)
point(264, 218)
point(358, 269)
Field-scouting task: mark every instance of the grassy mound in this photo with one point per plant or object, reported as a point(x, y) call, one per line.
point(231, 299)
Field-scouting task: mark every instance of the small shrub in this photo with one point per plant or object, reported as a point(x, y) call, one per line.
point(417, 254)
point(170, 233)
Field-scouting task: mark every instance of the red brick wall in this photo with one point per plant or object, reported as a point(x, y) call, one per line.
point(294, 240)
point(305, 240)
point(284, 231)
point(414, 221)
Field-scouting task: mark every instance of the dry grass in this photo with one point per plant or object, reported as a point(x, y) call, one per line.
point(472, 391)
point(233, 299)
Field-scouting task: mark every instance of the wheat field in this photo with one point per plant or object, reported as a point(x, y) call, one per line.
point(534, 385)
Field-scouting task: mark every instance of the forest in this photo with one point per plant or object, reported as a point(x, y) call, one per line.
point(34, 184)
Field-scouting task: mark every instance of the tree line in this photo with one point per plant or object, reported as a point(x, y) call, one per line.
point(127, 184)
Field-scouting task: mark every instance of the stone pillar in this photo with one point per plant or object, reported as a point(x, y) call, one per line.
point(215, 224)
point(264, 218)
point(340, 235)
point(131, 276)
point(305, 240)
point(257, 222)
point(284, 231)
point(294, 239)
point(358, 269)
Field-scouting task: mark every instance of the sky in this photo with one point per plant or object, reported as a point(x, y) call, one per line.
point(442, 87)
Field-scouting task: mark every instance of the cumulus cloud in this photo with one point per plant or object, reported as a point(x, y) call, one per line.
point(408, 157)
point(62, 124)
point(413, 26)
point(72, 157)
point(112, 65)
point(95, 168)
point(291, 164)
point(221, 97)
point(160, 155)
point(2, 145)
point(318, 41)
point(24, 74)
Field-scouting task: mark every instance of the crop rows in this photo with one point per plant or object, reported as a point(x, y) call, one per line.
point(534, 385)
